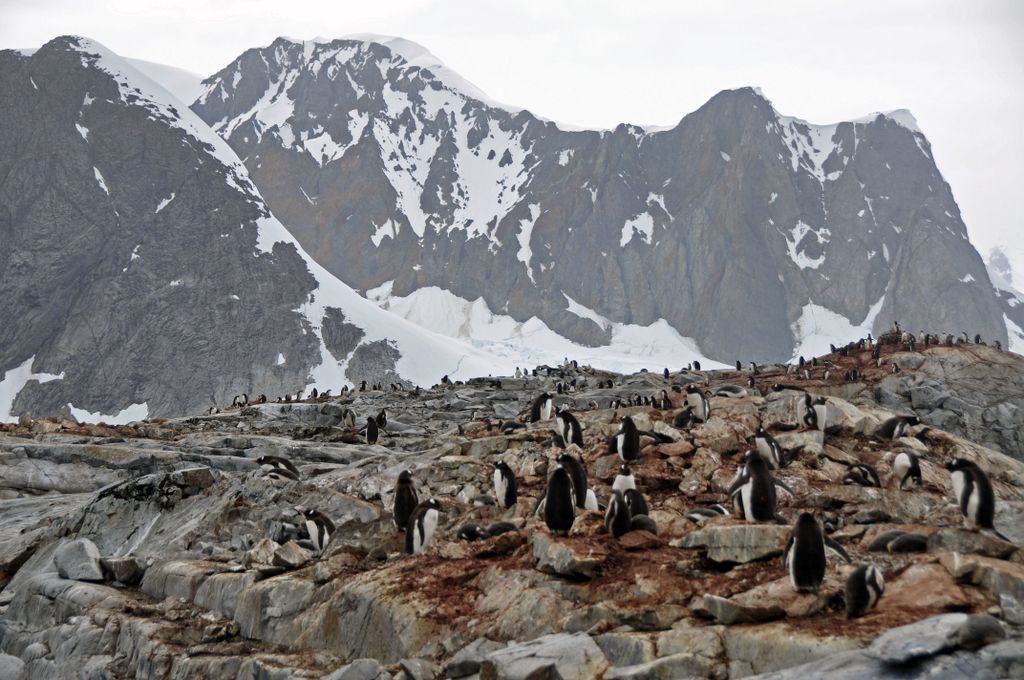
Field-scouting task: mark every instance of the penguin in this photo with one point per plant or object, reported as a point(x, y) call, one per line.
point(974, 495)
point(263, 399)
point(820, 407)
point(422, 525)
point(271, 463)
point(541, 408)
point(663, 402)
point(810, 416)
point(624, 480)
point(643, 523)
point(861, 475)
point(382, 418)
point(696, 365)
point(739, 366)
point(319, 527)
point(617, 518)
point(348, 418)
point(279, 474)
point(371, 431)
point(896, 427)
point(698, 401)
point(583, 496)
point(314, 393)
point(472, 532)
point(665, 373)
point(570, 429)
point(769, 449)
point(710, 512)
point(406, 499)
point(732, 391)
point(907, 467)
point(804, 555)
point(683, 418)
point(559, 508)
point(499, 528)
point(505, 487)
point(627, 441)
point(753, 491)
point(864, 588)
point(519, 373)
point(593, 405)
point(636, 502)
point(895, 367)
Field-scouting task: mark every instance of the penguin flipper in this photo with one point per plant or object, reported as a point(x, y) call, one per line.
point(785, 551)
point(832, 543)
point(737, 484)
point(782, 485)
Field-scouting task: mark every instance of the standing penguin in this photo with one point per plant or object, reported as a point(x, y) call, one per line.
point(820, 408)
point(769, 449)
point(698, 401)
point(559, 509)
point(896, 427)
point(570, 429)
point(382, 418)
point(662, 401)
point(753, 491)
point(683, 418)
point(974, 495)
point(627, 441)
point(636, 502)
point(864, 589)
point(422, 526)
point(319, 527)
point(804, 555)
point(624, 480)
point(406, 499)
point(582, 495)
point(348, 418)
point(617, 519)
point(505, 487)
point(371, 431)
point(542, 407)
point(907, 467)
point(810, 417)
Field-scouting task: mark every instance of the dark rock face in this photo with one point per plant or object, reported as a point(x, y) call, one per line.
point(725, 225)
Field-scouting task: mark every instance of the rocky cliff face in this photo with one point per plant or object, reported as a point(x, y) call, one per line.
point(160, 550)
point(735, 226)
point(140, 266)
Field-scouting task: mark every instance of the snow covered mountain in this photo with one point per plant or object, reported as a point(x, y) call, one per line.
point(745, 233)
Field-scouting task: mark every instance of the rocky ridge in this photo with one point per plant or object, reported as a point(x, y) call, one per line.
point(160, 550)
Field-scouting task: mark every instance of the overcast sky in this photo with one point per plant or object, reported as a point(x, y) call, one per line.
point(957, 65)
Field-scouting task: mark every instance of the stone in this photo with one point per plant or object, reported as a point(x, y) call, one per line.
point(966, 541)
point(126, 570)
point(567, 556)
point(418, 669)
point(979, 630)
point(467, 660)
point(665, 668)
point(924, 638)
point(738, 543)
point(997, 577)
point(625, 649)
point(78, 560)
point(290, 556)
point(11, 667)
point(360, 669)
point(728, 612)
point(565, 656)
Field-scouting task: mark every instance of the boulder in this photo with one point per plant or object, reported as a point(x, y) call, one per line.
point(922, 639)
point(563, 655)
point(78, 560)
point(572, 557)
point(467, 660)
point(665, 668)
point(738, 543)
point(126, 570)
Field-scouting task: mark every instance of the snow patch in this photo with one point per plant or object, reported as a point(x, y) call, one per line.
point(99, 179)
point(967, 279)
point(525, 253)
point(642, 225)
point(123, 417)
point(82, 130)
point(819, 327)
point(389, 228)
point(280, 359)
point(1014, 334)
point(586, 313)
point(725, 157)
point(163, 204)
point(14, 382)
point(796, 235)
point(564, 157)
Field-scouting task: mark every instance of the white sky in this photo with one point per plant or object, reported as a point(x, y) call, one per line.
point(957, 65)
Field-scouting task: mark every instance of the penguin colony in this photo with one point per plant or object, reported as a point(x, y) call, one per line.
point(752, 496)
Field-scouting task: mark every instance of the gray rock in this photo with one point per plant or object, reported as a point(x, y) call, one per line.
point(360, 669)
point(565, 656)
point(665, 668)
point(78, 560)
point(729, 612)
point(126, 570)
point(468, 659)
point(623, 649)
point(978, 631)
point(738, 543)
point(924, 638)
point(11, 667)
point(419, 669)
point(566, 556)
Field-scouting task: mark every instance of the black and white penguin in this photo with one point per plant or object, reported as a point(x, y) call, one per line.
point(382, 418)
point(406, 500)
point(542, 408)
point(864, 588)
point(804, 555)
point(896, 427)
point(627, 441)
point(624, 480)
point(371, 431)
point(422, 526)
point(617, 518)
point(569, 428)
point(974, 495)
point(559, 508)
point(319, 528)
point(582, 495)
point(698, 401)
point(732, 391)
point(820, 408)
point(499, 528)
point(314, 393)
point(710, 512)
point(505, 486)
point(271, 463)
point(861, 474)
point(753, 491)
point(696, 365)
point(472, 532)
point(769, 449)
point(643, 523)
point(907, 467)
point(665, 373)
point(282, 475)
point(636, 502)
point(662, 401)
point(348, 418)
point(683, 418)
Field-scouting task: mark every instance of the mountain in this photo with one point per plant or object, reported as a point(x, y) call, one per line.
point(184, 85)
point(141, 271)
point(746, 233)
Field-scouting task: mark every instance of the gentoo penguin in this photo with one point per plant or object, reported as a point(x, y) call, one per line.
point(559, 509)
point(636, 502)
point(739, 366)
point(627, 441)
point(820, 408)
point(698, 401)
point(279, 474)
point(617, 518)
point(683, 418)
point(974, 495)
point(861, 475)
point(624, 480)
point(505, 487)
point(907, 467)
point(804, 555)
point(499, 528)
point(270, 463)
point(406, 499)
point(382, 418)
point(769, 449)
point(583, 496)
point(662, 401)
point(732, 391)
point(542, 408)
point(710, 512)
point(864, 588)
point(753, 491)
point(472, 532)
point(519, 373)
point(319, 527)
point(696, 365)
point(348, 418)
point(665, 373)
point(371, 431)
point(643, 523)
point(362, 385)
point(314, 393)
point(422, 526)
point(896, 427)
point(570, 429)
